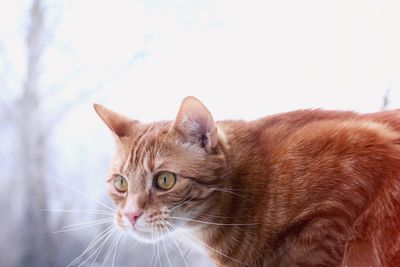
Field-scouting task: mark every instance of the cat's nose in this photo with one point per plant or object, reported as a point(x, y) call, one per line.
point(133, 216)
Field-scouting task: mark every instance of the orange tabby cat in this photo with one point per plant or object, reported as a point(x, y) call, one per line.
point(304, 188)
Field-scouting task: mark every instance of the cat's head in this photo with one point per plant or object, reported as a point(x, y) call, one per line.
point(164, 173)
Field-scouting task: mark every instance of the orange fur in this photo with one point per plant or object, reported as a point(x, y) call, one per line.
point(304, 188)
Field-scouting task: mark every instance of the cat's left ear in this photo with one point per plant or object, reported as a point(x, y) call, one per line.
point(120, 125)
point(196, 123)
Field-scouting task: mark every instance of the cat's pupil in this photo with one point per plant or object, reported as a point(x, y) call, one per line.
point(165, 179)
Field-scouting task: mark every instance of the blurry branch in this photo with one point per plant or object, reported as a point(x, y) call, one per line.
point(7, 113)
point(38, 249)
point(386, 98)
point(3, 56)
point(87, 94)
point(56, 88)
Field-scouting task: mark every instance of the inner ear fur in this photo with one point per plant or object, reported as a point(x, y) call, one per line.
point(196, 123)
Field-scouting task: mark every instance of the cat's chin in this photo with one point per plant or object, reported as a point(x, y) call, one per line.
point(144, 236)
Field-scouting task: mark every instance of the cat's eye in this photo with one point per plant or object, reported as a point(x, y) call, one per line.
point(165, 180)
point(120, 183)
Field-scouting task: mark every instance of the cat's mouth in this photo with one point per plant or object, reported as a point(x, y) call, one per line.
point(142, 231)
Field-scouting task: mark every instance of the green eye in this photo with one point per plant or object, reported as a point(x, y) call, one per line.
point(120, 183)
point(165, 180)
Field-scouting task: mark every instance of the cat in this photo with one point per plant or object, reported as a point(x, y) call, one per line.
point(303, 188)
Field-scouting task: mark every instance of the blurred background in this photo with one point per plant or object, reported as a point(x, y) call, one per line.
point(243, 59)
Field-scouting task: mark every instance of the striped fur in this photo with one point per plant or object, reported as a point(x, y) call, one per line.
point(304, 188)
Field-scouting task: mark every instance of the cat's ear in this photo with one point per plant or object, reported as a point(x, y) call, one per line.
point(196, 123)
point(119, 124)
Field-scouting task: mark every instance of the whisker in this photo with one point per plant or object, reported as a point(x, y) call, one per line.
point(84, 195)
point(205, 215)
point(153, 250)
point(179, 249)
point(92, 244)
point(188, 239)
point(83, 226)
point(85, 223)
point(98, 249)
point(158, 259)
point(88, 211)
point(165, 248)
point(134, 245)
point(212, 223)
point(204, 244)
point(116, 249)
point(225, 190)
point(202, 214)
point(162, 141)
point(183, 203)
point(110, 249)
point(231, 189)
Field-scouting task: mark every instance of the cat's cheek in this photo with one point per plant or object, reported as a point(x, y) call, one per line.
point(121, 222)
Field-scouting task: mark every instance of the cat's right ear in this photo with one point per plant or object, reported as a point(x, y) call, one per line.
point(119, 124)
point(196, 123)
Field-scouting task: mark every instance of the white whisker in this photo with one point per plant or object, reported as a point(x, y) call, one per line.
point(225, 190)
point(86, 211)
point(110, 249)
point(84, 195)
point(116, 250)
point(205, 215)
point(92, 244)
point(183, 203)
point(162, 141)
point(153, 250)
point(179, 249)
point(82, 225)
point(98, 249)
point(204, 244)
point(86, 223)
point(212, 223)
point(165, 248)
point(158, 259)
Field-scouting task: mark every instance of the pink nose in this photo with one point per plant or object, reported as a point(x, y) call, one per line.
point(133, 216)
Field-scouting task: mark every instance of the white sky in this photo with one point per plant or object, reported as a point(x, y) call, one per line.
point(244, 59)
point(248, 60)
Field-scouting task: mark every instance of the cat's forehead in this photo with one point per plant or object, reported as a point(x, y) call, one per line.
point(142, 151)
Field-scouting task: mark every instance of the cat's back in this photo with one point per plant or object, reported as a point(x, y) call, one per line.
point(296, 120)
point(314, 125)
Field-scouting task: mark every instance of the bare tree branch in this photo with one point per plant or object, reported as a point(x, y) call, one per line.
point(386, 98)
point(84, 96)
point(33, 144)
point(7, 113)
point(56, 88)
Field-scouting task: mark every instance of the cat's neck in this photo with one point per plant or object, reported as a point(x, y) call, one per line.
point(234, 204)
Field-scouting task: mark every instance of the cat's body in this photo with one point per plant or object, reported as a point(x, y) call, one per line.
point(324, 187)
point(305, 188)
